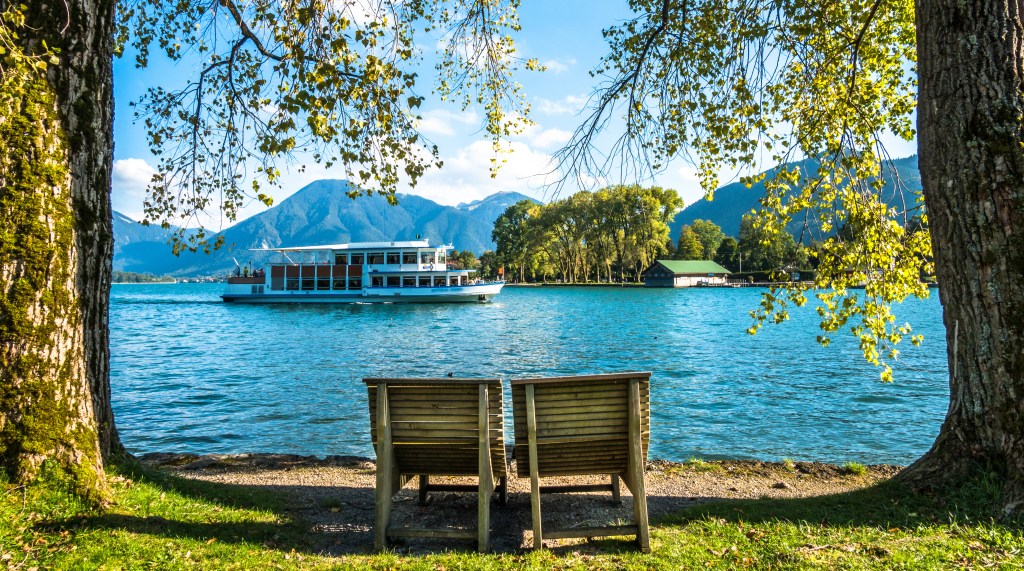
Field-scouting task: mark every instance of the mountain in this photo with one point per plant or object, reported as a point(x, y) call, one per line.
point(493, 206)
point(734, 200)
point(321, 213)
point(137, 245)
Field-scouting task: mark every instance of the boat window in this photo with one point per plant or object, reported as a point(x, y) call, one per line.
point(374, 258)
point(424, 281)
point(439, 281)
point(408, 257)
point(427, 257)
point(440, 257)
point(339, 282)
point(292, 277)
point(340, 259)
point(376, 281)
point(408, 281)
point(308, 277)
point(357, 259)
point(394, 281)
point(355, 283)
point(392, 257)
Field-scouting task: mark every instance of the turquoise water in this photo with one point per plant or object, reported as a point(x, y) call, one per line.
point(192, 374)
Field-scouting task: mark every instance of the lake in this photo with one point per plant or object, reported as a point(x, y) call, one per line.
point(190, 373)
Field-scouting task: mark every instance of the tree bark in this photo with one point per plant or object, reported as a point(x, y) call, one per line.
point(55, 260)
point(971, 138)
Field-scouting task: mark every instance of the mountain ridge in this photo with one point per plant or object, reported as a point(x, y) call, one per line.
point(734, 200)
point(319, 213)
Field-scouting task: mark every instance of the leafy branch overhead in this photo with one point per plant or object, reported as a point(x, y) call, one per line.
point(731, 85)
point(333, 80)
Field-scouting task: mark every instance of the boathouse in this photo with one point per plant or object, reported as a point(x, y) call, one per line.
point(685, 273)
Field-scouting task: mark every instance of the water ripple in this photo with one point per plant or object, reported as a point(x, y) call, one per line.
point(190, 373)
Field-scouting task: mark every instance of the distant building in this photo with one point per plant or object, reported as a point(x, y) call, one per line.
point(685, 273)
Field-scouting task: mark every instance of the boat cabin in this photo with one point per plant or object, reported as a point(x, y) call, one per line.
point(351, 267)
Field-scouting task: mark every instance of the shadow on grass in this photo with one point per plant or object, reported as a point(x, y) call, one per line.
point(339, 520)
point(888, 504)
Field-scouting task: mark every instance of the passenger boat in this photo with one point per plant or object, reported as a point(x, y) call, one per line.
point(366, 272)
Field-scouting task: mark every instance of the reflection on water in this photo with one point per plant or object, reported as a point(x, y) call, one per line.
point(192, 374)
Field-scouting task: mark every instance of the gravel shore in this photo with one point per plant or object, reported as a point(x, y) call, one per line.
point(334, 496)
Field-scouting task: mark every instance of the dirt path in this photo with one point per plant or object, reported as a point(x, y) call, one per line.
point(334, 496)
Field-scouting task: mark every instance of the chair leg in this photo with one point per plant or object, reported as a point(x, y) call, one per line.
point(385, 470)
point(616, 497)
point(643, 536)
point(531, 431)
point(636, 468)
point(424, 485)
point(483, 522)
point(485, 474)
point(503, 491)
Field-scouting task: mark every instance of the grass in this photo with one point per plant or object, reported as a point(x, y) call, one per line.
point(700, 465)
point(855, 468)
point(164, 522)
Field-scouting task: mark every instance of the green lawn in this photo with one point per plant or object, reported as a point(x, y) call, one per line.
point(164, 522)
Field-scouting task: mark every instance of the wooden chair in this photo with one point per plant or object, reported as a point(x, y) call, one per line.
point(437, 427)
point(597, 424)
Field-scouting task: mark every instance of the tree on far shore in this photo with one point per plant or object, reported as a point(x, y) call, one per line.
point(728, 254)
point(710, 236)
point(689, 247)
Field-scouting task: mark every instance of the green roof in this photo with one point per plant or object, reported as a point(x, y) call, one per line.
point(693, 267)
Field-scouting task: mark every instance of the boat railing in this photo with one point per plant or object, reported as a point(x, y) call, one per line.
point(258, 279)
point(469, 284)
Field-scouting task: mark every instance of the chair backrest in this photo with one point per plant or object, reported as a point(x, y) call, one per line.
point(435, 424)
point(582, 423)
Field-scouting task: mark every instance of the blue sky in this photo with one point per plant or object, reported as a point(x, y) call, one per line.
point(565, 35)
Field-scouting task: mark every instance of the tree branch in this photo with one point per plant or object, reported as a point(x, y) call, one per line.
point(247, 32)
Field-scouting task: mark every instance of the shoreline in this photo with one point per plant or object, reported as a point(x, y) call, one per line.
point(282, 459)
point(334, 497)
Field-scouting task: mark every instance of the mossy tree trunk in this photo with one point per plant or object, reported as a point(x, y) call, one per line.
point(971, 137)
point(56, 238)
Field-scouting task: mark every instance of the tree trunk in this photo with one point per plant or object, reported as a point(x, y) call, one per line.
point(971, 100)
point(56, 153)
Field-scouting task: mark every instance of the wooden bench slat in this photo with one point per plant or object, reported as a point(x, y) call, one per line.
point(599, 531)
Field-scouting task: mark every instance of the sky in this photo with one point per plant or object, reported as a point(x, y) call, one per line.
point(564, 35)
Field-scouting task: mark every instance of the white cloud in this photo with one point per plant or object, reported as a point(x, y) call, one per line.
point(556, 67)
point(440, 121)
point(687, 184)
point(551, 138)
point(466, 176)
point(568, 105)
point(362, 12)
point(129, 180)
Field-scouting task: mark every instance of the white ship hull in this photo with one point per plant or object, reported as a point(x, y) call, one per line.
point(479, 293)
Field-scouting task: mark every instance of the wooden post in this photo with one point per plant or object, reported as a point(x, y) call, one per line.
point(385, 469)
point(424, 483)
point(531, 437)
point(485, 482)
point(636, 467)
point(616, 498)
